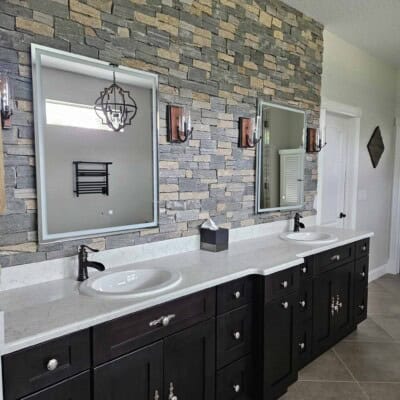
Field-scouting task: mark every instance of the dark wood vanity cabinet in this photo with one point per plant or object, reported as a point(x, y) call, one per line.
point(242, 340)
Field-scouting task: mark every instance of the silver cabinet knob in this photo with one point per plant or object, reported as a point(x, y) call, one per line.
point(364, 248)
point(236, 388)
point(237, 335)
point(237, 295)
point(156, 395)
point(361, 307)
point(303, 303)
point(362, 274)
point(284, 284)
point(302, 346)
point(304, 270)
point(52, 364)
point(336, 257)
point(285, 305)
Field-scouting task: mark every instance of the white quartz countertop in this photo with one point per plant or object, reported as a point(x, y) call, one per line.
point(34, 314)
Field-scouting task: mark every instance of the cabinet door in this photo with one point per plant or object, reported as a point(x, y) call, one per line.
point(323, 315)
point(137, 375)
point(76, 388)
point(280, 347)
point(189, 363)
point(343, 288)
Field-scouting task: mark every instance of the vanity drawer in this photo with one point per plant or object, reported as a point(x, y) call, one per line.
point(237, 381)
point(304, 343)
point(305, 301)
point(29, 370)
point(235, 294)
point(234, 335)
point(360, 304)
point(333, 258)
point(281, 283)
point(123, 335)
point(307, 269)
point(362, 268)
point(76, 388)
point(362, 248)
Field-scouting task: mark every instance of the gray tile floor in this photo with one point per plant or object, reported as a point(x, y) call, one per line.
point(366, 364)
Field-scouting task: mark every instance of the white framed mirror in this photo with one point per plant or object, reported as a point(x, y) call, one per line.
point(93, 179)
point(280, 158)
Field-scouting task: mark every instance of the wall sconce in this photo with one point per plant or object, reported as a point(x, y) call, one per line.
point(314, 141)
point(5, 101)
point(247, 134)
point(179, 124)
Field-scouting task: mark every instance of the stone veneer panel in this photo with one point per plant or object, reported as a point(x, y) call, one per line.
point(217, 56)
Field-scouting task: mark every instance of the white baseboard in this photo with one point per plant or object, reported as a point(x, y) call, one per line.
point(376, 273)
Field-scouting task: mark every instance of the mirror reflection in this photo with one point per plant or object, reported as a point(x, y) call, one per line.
point(280, 158)
point(96, 158)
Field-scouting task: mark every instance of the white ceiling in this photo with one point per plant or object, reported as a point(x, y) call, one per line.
point(373, 25)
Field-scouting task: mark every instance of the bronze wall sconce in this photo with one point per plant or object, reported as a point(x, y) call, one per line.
point(247, 134)
point(314, 141)
point(179, 124)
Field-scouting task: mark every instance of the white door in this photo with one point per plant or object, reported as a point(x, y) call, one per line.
point(333, 170)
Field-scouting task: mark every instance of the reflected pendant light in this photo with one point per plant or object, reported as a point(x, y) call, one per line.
point(115, 106)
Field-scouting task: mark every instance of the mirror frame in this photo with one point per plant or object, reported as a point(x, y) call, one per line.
point(260, 105)
point(44, 237)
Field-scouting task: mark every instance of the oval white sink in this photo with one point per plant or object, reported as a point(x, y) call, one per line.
point(310, 237)
point(130, 283)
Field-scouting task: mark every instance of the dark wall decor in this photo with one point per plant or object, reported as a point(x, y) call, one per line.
point(376, 147)
point(214, 56)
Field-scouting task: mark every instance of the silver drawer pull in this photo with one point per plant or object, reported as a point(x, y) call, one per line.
point(284, 284)
point(304, 270)
point(237, 335)
point(303, 303)
point(52, 364)
point(362, 274)
point(364, 248)
point(361, 307)
point(156, 395)
point(236, 388)
point(237, 295)
point(163, 320)
point(302, 346)
point(285, 305)
point(336, 257)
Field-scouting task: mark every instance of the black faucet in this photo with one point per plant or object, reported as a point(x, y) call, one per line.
point(297, 223)
point(84, 263)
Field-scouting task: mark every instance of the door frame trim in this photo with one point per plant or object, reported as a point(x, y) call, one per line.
point(394, 258)
point(352, 165)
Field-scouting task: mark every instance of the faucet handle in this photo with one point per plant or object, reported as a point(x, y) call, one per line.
point(83, 247)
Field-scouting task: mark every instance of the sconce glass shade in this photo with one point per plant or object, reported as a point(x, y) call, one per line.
point(115, 107)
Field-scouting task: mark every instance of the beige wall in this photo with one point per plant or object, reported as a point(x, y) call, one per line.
point(352, 76)
point(398, 94)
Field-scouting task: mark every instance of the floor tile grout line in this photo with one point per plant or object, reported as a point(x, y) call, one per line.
point(380, 326)
point(351, 374)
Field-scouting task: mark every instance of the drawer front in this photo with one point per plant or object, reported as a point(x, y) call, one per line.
point(235, 294)
point(360, 304)
point(333, 258)
point(305, 301)
point(76, 388)
point(362, 268)
point(281, 283)
point(123, 335)
point(37, 367)
point(234, 335)
point(362, 248)
point(237, 381)
point(304, 343)
point(307, 269)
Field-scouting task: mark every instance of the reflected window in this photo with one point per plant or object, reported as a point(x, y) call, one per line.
point(74, 115)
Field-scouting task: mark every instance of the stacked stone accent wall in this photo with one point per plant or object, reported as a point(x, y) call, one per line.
point(216, 56)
